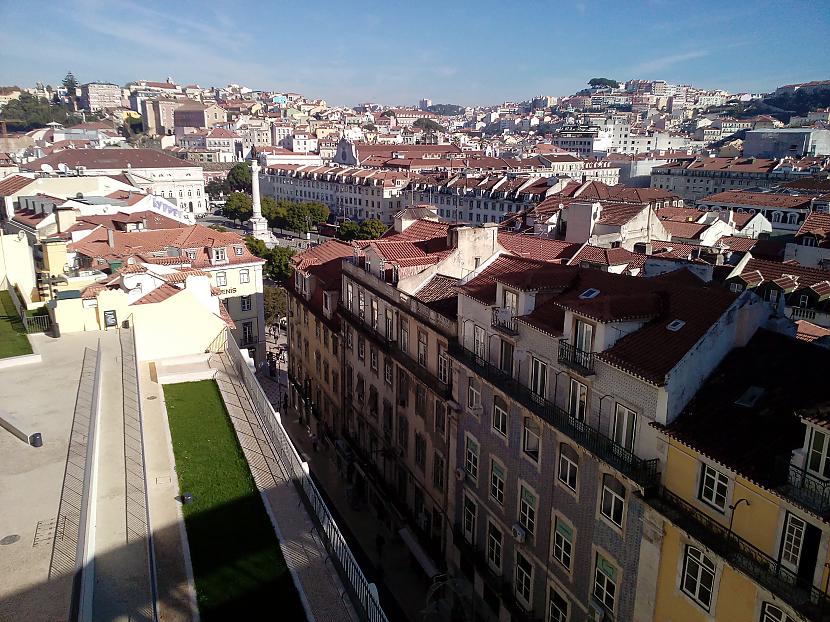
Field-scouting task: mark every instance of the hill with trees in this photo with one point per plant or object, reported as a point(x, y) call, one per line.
point(29, 112)
point(428, 125)
point(604, 82)
point(446, 110)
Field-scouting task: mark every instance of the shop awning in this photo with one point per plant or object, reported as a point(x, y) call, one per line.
point(418, 552)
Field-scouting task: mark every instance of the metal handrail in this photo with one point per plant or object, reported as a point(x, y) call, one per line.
point(575, 358)
point(504, 319)
point(644, 472)
point(803, 487)
point(746, 557)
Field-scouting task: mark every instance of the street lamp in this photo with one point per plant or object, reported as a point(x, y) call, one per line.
point(733, 507)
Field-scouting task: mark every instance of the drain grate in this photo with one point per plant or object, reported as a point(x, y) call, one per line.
point(47, 531)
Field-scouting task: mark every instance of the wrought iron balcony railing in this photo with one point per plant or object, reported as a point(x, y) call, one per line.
point(740, 554)
point(575, 358)
point(644, 472)
point(504, 320)
point(803, 487)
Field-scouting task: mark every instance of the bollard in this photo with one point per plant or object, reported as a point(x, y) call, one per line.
point(35, 440)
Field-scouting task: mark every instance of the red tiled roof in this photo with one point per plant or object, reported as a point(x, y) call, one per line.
point(13, 184)
point(160, 294)
point(772, 270)
point(440, 294)
point(536, 247)
point(761, 199)
point(737, 243)
point(619, 214)
point(603, 256)
point(817, 224)
point(686, 230)
point(116, 159)
point(679, 214)
point(807, 331)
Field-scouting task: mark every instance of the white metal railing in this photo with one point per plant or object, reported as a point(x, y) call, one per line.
point(363, 593)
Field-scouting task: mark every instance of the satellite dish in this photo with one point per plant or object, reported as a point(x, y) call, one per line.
point(63, 168)
point(46, 168)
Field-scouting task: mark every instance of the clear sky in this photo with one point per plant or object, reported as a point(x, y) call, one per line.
point(395, 52)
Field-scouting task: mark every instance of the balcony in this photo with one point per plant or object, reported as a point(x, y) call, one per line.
point(576, 359)
point(504, 321)
point(644, 472)
point(803, 487)
point(768, 572)
point(386, 342)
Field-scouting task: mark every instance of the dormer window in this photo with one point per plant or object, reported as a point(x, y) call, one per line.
point(191, 255)
point(220, 254)
point(237, 250)
point(589, 293)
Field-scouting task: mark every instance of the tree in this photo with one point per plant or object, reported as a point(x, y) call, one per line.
point(239, 206)
point(447, 110)
point(370, 127)
point(604, 82)
point(348, 230)
point(297, 217)
point(70, 83)
point(218, 228)
point(29, 112)
point(271, 210)
point(239, 178)
point(279, 263)
point(387, 113)
point(217, 188)
point(275, 304)
point(428, 125)
point(257, 247)
point(318, 212)
point(371, 229)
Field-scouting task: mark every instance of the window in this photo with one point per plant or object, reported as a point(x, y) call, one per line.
point(361, 304)
point(221, 279)
point(818, 460)
point(539, 377)
point(558, 607)
point(494, 546)
point(245, 303)
point(612, 506)
point(698, 577)
point(191, 255)
point(422, 349)
point(794, 530)
point(625, 426)
point(244, 276)
point(403, 433)
point(443, 365)
point(220, 254)
point(568, 466)
point(349, 296)
point(373, 358)
point(440, 418)
point(473, 394)
point(584, 334)
point(605, 582)
point(438, 471)
point(524, 578)
point(577, 400)
point(500, 416)
point(497, 478)
point(563, 542)
point(404, 344)
point(713, 487)
point(420, 451)
point(469, 519)
point(373, 313)
point(361, 347)
point(387, 371)
point(530, 439)
point(479, 341)
point(390, 325)
point(506, 357)
point(471, 458)
point(527, 508)
point(771, 613)
point(421, 401)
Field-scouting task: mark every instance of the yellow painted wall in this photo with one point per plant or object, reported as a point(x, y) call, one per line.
point(17, 266)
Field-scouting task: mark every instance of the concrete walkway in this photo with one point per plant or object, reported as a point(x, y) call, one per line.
point(304, 554)
point(395, 570)
point(122, 570)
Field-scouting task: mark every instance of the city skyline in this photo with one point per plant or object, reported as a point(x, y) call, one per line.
point(447, 54)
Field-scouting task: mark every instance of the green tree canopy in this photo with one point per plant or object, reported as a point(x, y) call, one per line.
point(271, 210)
point(297, 217)
point(70, 83)
point(348, 230)
point(370, 127)
point(275, 304)
point(239, 177)
point(447, 110)
point(387, 113)
point(279, 263)
point(217, 188)
point(371, 229)
point(428, 125)
point(28, 112)
point(318, 212)
point(239, 206)
point(604, 82)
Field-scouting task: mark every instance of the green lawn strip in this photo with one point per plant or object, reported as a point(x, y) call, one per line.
point(237, 563)
point(13, 340)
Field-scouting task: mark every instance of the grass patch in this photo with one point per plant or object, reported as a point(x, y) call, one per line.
point(237, 563)
point(13, 341)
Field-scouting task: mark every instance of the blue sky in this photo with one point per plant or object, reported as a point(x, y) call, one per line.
point(472, 52)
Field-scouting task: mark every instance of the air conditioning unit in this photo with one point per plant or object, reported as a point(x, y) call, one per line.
point(596, 612)
point(460, 474)
point(518, 532)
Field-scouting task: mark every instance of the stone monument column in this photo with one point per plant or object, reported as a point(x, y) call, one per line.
point(257, 224)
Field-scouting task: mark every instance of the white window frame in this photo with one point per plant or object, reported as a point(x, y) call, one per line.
point(696, 566)
point(479, 342)
point(562, 542)
point(577, 400)
point(221, 278)
point(527, 510)
point(625, 427)
point(473, 394)
point(611, 503)
point(443, 364)
point(539, 377)
point(469, 517)
point(602, 582)
point(471, 453)
point(244, 276)
point(527, 434)
point(498, 477)
point(571, 469)
point(495, 546)
point(245, 303)
point(524, 580)
point(713, 485)
point(795, 529)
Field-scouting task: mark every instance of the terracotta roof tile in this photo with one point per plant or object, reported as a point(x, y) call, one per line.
point(160, 294)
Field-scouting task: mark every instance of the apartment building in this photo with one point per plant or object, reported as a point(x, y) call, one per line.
point(701, 177)
point(786, 210)
point(98, 96)
point(235, 274)
point(745, 524)
point(150, 170)
point(353, 193)
point(314, 347)
point(560, 372)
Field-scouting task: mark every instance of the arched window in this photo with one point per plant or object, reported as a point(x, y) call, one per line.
point(776, 217)
point(771, 613)
point(792, 218)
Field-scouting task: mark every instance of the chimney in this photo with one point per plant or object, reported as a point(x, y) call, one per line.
point(110, 238)
point(649, 249)
point(65, 217)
